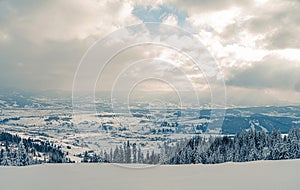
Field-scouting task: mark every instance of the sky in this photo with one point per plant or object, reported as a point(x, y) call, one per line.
point(255, 43)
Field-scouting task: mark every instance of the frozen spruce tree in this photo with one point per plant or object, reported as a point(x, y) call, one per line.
point(127, 149)
point(6, 161)
point(22, 157)
point(140, 156)
point(116, 155)
point(134, 152)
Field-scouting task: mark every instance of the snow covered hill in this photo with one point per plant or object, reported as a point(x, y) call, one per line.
point(262, 175)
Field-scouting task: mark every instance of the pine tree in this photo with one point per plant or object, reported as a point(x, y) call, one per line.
point(116, 156)
point(134, 152)
point(22, 157)
point(127, 153)
point(111, 155)
point(6, 161)
point(85, 157)
point(140, 156)
point(122, 159)
point(147, 157)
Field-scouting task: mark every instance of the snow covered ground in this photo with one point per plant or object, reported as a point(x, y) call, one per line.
point(262, 175)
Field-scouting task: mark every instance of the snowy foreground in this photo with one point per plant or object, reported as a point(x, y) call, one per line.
point(262, 175)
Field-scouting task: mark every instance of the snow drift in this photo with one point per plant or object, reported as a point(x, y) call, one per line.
point(262, 175)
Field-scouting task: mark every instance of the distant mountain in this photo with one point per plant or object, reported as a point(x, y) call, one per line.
point(236, 120)
point(261, 118)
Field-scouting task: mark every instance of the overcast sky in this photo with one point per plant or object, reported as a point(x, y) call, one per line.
point(256, 43)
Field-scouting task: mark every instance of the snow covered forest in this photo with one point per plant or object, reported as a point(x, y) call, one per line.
point(247, 146)
point(17, 151)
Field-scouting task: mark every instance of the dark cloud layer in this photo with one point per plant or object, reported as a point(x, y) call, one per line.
point(271, 72)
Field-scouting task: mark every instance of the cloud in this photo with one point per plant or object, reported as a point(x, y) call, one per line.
point(171, 20)
point(202, 6)
point(244, 96)
point(255, 42)
point(65, 20)
point(160, 13)
point(48, 38)
point(279, 21)
point(50, 65)
point(272, 72)
point(241, 33)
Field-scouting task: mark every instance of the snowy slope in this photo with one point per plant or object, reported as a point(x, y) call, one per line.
point(263, 175)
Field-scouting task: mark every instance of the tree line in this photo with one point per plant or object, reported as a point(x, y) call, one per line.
point(250, 145)
point(247, 146)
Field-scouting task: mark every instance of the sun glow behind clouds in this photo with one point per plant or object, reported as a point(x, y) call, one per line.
point(215, 21)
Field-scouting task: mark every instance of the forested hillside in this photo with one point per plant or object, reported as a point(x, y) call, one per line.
point(17, 151)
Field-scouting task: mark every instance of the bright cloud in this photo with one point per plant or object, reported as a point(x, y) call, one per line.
point(171, 20)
